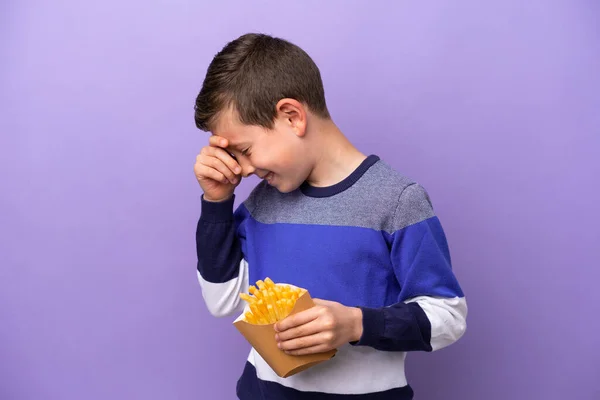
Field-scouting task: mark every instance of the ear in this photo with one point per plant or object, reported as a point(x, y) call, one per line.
point(292, 113)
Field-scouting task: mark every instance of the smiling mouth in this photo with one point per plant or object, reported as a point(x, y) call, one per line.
point(268, 177)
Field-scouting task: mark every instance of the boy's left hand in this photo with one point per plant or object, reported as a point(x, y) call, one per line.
point(323, 327)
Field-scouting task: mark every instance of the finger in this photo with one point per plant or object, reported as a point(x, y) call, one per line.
point(203, 172)
point(218, 141)
point(321, 302)
point(220, 166)
point(225, 157)
point(310, 350)
point(318, 339)
point(299, 331)
point(301, 318)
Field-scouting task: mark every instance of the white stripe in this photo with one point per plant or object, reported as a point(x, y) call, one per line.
point(448, 318)
point(353, 370)
point(223, 299)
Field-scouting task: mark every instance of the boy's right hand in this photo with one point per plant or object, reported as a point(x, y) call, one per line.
point(218, 173)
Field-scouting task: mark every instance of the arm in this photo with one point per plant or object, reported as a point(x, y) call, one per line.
point(431, 310)
point(222, 270)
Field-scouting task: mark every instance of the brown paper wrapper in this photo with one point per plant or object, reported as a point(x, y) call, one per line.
point(262, 338)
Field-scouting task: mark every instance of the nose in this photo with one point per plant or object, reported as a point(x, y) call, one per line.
point(247, 169)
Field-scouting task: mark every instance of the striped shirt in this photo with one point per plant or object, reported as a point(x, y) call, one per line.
point(371, 241)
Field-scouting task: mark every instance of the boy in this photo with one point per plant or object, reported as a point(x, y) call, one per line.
point(360, 237)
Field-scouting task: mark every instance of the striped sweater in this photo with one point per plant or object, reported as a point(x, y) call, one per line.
point(371, 241)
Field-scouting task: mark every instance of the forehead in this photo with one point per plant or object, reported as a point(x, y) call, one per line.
point(228, 126)
point(226, 123)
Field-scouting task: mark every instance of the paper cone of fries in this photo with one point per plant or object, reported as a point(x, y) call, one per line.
point(266, 305)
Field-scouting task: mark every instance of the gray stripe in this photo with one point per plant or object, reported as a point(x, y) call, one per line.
point(381, 199)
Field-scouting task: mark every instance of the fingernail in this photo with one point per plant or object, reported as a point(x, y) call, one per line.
point(279, 344)
point(223, 142)
point(237, 170)
point(277, 337)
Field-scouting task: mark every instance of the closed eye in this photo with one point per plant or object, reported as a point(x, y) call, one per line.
point(246, 152)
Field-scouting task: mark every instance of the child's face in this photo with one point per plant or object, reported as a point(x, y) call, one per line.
point(276, 155)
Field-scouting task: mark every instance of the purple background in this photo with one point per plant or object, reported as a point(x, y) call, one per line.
point(493, 106)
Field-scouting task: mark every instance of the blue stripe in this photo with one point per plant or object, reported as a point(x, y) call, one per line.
point(351, 265)
point(249, 387)
point(421, 259)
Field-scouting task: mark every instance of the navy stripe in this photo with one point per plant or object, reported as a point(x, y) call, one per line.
point(401, 327)
point(249, 387)
point(218, 248)
point(242, 217)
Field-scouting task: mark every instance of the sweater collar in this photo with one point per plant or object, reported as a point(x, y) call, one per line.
point(327, 191)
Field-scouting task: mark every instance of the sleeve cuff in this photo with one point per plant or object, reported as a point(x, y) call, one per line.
point(217, 211)
point(373, 327)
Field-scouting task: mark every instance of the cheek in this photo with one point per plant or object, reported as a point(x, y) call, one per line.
point(280, 158)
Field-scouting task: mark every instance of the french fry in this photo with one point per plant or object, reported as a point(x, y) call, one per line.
point(273, 302)
point(279, 292)
point(262, 308)
point(255, 292)
point(272, 316)
point(256, 311)
point(270, 302)
point(247, 298)
point(269, 283)
point(250, 317)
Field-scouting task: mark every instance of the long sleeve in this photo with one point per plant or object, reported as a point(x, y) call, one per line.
point(431, 310)
point(222, 269)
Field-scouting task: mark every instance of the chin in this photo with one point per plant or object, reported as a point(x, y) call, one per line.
point(285, 188)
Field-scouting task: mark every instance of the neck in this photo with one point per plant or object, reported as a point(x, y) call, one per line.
point(335, 157)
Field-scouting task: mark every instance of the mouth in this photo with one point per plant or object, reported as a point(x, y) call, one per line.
point(268, 177)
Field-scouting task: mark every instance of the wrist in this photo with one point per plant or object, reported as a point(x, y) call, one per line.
point(216, 200)
point(357, 324)
point(213, 211)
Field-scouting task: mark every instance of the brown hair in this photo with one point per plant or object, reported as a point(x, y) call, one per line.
point(252, 73)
